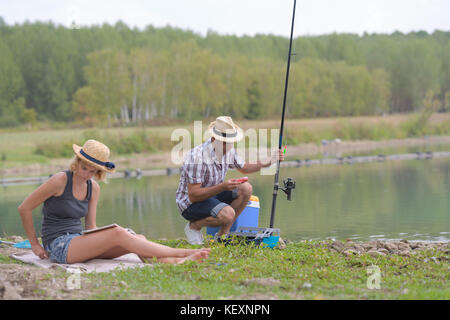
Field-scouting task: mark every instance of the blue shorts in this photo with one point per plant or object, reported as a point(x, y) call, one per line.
point(57, 249)
point(209, 207)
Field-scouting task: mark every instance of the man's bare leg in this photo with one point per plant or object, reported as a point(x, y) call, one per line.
point(224, 220)
point(245, 191)
point(227, 216)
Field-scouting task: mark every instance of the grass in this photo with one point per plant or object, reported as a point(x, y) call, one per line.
point(304, 270)
point(4, 259)
point(18, 148)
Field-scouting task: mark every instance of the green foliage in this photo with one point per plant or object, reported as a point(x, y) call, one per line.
point(55, 150)
point(142, 140)
point(12, 102)
point(446, 105)
point(416, 125)
point(137, 141)
point(303, 270)
point(4, 259)
point(254, 98)
point(116, 75)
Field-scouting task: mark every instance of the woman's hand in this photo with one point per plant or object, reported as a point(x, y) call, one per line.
point(39, 251)
point(54, 186)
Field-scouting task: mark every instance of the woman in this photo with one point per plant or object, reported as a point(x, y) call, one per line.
point(68, 196)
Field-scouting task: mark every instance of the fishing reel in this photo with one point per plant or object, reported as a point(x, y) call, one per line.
point(289, 184)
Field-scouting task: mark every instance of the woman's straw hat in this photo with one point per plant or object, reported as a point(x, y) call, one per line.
point(96, 154)
point(225, 130)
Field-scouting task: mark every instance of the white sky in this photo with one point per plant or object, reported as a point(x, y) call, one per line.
point(241, 16)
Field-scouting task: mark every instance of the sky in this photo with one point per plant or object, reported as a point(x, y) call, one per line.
point(241, 17)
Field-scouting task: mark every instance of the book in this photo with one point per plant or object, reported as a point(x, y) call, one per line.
point(100, 228)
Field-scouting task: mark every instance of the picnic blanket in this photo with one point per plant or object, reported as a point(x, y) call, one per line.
point(129, 260)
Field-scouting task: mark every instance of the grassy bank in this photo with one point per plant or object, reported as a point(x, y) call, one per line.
point(49, 147)
point(302, 270)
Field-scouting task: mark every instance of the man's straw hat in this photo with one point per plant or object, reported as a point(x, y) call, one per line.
point(96, 154)
point(224, 129)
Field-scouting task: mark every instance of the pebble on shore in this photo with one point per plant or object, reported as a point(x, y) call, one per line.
point(384, 248)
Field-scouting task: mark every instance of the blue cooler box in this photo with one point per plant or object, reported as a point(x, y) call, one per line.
point(248, 217)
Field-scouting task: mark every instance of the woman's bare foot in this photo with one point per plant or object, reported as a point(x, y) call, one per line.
point(197, 256)
point(189, 252)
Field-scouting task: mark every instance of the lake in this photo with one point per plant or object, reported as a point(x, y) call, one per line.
point(383, 200)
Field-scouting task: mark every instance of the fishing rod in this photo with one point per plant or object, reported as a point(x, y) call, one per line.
point(268, 236)
point(289, 184)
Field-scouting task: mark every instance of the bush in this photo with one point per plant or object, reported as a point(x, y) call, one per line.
point(137, 142)
point(8, 121)
point(53, 150)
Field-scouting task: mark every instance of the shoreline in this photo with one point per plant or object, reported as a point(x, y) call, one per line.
point(307, 152)
point(138, 173)
point(328, 270)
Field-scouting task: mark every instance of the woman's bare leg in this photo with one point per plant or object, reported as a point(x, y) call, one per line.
point(119, 251)
point(109, 241)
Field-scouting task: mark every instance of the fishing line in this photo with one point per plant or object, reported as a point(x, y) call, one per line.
point(289, 96)
point(289, 184)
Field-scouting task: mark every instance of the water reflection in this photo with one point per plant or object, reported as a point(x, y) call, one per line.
point(390, 200)
point(146, 205)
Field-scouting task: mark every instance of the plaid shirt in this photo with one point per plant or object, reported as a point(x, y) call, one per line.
point(202, 166)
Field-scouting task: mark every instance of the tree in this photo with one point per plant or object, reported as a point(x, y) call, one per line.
point(101, 72)
point(254, 101)
point(12, 101)
point(108, 76)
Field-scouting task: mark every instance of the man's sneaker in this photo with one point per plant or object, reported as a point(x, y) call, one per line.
point(193, 236)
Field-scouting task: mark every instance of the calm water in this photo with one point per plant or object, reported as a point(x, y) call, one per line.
point(390, 200)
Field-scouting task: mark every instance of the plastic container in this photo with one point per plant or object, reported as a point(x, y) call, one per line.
point(248, 218)
point(270, 242)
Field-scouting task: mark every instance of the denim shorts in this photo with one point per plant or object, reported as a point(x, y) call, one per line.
point(57, 249)
point(209, 207)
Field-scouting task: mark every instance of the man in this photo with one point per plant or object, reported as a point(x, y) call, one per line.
point(204, 197)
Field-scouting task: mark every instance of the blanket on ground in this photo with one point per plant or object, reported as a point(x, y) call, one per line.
point(129, 260)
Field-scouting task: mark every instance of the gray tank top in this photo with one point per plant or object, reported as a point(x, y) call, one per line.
point(63, 214)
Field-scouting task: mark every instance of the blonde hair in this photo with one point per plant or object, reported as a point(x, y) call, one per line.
point(100, 175)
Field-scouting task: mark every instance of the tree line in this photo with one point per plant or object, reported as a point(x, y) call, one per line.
point(116, 74)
